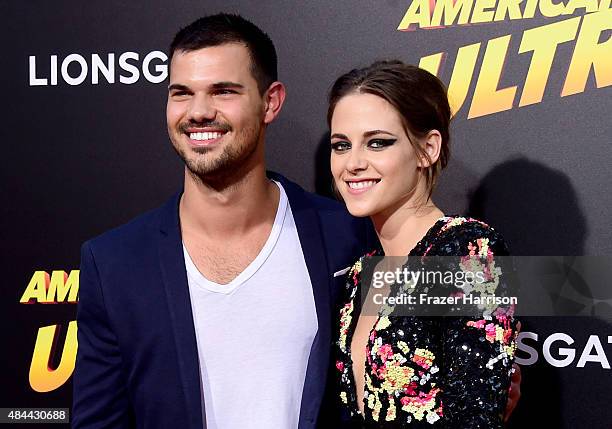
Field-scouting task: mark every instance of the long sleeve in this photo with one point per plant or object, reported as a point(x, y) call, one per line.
point(100, 397)
point(478, 352)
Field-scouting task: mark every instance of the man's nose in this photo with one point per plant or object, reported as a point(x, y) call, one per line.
point(201, 109)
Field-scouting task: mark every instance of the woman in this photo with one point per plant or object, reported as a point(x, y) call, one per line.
point(390, 139)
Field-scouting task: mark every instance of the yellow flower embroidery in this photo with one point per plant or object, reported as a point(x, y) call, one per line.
point(383, 323)
point(391, 411)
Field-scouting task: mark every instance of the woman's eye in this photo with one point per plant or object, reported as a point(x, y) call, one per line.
point(340, 146)
point(380, 143)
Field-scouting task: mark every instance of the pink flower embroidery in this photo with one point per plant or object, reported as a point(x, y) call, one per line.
point(490, 330)
point(385, 352)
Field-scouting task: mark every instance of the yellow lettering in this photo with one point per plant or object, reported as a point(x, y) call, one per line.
point(508, 7)
point(42, 377)
point(432, 63)
point(63, 286)
point(589, 52)
point(588, 5)
point(543, 42)
point(418, 12)
point(550, 9)
point(480, 14)
point(451, 9)
point(462, 75)
point(36, 289)
point(530, 9)
point(487, 98)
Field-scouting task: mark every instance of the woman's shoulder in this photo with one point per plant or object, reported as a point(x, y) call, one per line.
point(466, 235)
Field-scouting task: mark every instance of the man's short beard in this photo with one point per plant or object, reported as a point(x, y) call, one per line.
point(228, 164)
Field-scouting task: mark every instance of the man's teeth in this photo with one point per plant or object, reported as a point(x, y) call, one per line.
point(205, 136)
point(361, 185)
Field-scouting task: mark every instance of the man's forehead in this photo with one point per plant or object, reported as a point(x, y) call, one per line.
point(214, 62)
point(213, 55)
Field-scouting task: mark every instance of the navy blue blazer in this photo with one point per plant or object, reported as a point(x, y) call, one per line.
point(137, 361)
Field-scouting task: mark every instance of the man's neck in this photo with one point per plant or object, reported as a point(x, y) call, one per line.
point(228, 211)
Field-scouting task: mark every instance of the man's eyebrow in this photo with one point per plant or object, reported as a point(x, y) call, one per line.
point(178, 87)
point(227, 84)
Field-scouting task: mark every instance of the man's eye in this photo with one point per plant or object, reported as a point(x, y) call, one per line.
point(380, 143)
point(224, 92)
point(179, 94)
point(340, 146)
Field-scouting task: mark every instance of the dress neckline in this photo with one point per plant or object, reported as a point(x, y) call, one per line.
point(431, 232)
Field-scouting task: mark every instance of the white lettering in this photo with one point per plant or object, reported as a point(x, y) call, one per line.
point(135, 74)
point(35, 81)
point(66, 63)
point(568, 353)
point(161, 69)
point(522, 346)
point(97, 66)
point(54, 70)
point(599, 356)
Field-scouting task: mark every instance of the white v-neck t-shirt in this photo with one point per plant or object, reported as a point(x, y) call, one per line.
point(255, 333)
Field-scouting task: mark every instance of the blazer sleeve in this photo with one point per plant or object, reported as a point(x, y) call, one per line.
point(100, 395)
point(478, 352)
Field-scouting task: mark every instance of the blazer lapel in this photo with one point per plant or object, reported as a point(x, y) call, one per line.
point(174, 277)
point(309, 232)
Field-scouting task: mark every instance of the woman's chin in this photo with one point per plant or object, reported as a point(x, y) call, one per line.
point(359, 211)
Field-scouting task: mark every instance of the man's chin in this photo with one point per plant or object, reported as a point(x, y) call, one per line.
point(201, 149)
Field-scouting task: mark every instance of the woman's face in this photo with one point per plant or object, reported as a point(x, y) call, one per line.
point(374, 165)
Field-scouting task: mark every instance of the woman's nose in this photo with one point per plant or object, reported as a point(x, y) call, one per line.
point(357, 161)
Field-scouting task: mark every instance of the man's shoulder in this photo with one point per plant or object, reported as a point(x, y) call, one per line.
point(337, 225)
point(138, 231)
point(299, 196)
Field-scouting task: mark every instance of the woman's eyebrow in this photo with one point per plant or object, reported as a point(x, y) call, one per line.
point(339, 136)
point(374, 132)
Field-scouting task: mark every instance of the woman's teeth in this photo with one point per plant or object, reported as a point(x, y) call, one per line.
point(362, 185)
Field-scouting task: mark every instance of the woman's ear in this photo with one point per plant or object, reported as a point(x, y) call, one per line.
point(431, 144)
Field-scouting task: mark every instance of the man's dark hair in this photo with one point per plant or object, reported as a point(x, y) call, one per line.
point(222, 28)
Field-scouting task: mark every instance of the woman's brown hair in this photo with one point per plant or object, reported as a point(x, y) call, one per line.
point(418, 96)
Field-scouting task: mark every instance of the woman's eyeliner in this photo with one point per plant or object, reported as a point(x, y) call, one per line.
point(381, 143)
point(372, 144)
point(340, 146)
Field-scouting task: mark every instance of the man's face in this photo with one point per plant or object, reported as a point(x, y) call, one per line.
point(215, 113)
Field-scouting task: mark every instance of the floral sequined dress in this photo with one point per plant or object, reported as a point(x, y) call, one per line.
point(450, 372)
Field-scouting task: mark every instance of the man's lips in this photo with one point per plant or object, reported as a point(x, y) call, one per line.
point(359, 186)
point(204, 136)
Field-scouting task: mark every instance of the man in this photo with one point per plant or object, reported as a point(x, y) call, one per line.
point(216, 309)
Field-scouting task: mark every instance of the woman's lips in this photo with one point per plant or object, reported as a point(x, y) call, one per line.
point(356, 187)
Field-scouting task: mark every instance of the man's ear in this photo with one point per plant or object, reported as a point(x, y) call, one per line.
point(274, 99)
point(431, 144)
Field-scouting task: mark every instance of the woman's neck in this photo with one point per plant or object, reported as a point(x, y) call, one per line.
point(400, 229)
